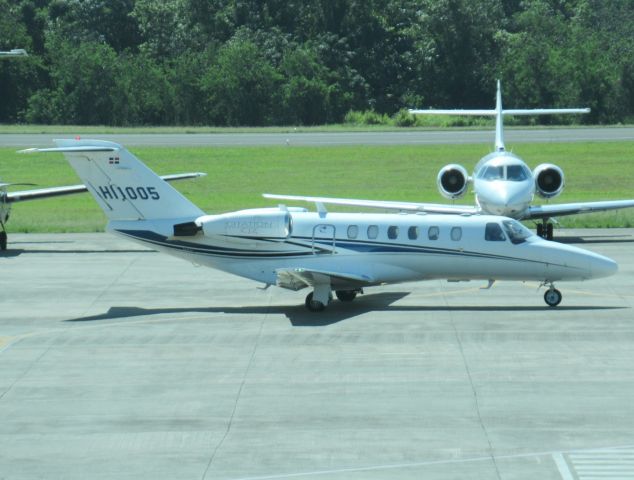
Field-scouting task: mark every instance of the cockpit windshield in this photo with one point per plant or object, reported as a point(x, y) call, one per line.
point(493, 173)
point(514, 173)
point(516, 232)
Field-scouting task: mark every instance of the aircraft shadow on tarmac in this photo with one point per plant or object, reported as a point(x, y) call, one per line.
point(336, 312)
point(16, 252)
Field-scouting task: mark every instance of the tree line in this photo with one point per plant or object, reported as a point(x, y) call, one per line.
point(294, 62)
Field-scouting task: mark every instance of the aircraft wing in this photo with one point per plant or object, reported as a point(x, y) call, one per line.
point(298, 278)
point(541, 211)
point(383, 204)
point(38, 193)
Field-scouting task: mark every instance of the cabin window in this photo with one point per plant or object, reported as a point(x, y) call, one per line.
point(392, 232)
point(353, 231)
point(413, 232)
point(493, 233)
point(456, 233)
point(433, 233)
point(373, 232)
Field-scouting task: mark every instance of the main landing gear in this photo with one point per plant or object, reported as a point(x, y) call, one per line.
point(545, 230)
point(343, 296)
point(3, 237)
point(552, 296)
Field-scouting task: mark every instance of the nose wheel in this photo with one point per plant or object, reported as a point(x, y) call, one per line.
point(552, 297)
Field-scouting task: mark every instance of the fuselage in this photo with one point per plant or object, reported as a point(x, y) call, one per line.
point(503, 185)
point(381, 248)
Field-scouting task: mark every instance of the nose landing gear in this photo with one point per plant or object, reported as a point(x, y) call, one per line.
point(552, 296)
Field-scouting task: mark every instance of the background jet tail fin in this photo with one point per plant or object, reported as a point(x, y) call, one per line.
point(499, 114)
point(499, 120)
point(124, 187)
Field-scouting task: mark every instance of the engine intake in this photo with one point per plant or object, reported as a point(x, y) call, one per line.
point(549, 180)
point(453, 181)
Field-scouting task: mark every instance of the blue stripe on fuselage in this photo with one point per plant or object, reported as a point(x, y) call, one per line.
point(359, 246)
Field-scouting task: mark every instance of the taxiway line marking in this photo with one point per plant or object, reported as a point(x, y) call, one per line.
point(562, 466)
point(558, 456)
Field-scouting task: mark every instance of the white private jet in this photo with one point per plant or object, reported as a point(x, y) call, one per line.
point(8, 198)
point(503, 184)
point(342, 252)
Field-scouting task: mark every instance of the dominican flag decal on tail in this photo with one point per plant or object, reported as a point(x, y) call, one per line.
point(113, 160)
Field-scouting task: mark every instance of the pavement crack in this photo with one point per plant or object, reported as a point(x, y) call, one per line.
point(239, 394)
point(116, 280)
point(473, 388)
point(26, 370)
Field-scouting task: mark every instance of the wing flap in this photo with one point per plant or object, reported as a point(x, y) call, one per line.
point(298, 278)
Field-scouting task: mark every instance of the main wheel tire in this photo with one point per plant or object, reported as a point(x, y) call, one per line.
point(346, 295)
point(549, 231)
point(552, 297)
point(314, 305)
point(3, 240)
point(540, 230)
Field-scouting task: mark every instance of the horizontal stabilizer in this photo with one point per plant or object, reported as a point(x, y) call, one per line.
point(40, 193)
point(492, 113)
point(78, 149)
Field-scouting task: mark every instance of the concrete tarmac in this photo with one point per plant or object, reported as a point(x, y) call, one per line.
point(119, 362)
point(401, 137)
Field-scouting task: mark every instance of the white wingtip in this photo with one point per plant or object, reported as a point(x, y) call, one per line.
point(29, 150)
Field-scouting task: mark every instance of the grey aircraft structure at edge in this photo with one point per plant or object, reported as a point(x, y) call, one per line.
point(323, 251)
point(502, 182)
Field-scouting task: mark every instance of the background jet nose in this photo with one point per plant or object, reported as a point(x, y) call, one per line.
point(602, 267)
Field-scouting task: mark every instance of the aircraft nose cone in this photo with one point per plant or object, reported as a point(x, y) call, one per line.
point(514, 194)
point(602, 267)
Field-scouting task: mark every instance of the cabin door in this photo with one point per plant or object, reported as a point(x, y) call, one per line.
point(324, 239)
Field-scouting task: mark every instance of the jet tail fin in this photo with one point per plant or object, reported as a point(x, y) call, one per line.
point(124, 187)
point(499, 114)
point(499, 120)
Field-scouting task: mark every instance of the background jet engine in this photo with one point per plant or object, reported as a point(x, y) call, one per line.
point(260, 222)
point(453, 181)
point(549, 180)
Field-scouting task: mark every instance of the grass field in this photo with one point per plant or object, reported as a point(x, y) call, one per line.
point(238, 175)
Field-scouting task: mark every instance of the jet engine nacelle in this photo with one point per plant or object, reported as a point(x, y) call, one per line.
point(549, 180)
point(261, 222)
point(453, 181)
